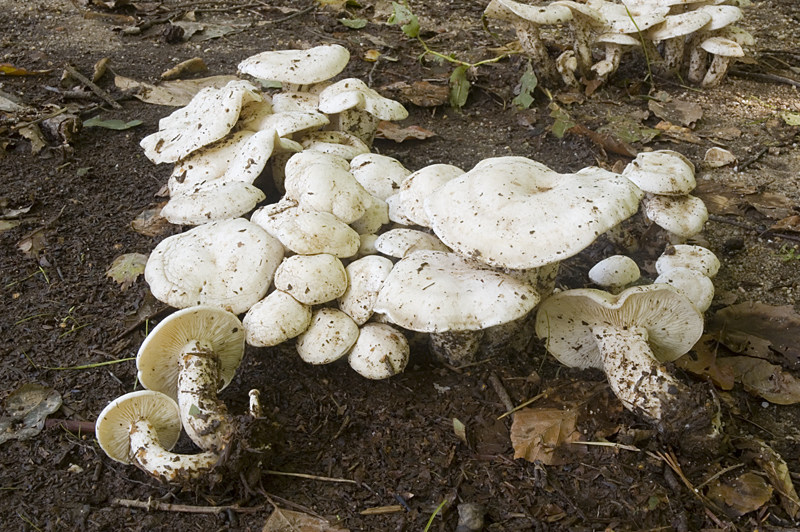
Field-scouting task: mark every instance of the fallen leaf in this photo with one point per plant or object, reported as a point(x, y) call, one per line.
point(678, 133)
point(33, 244)
point(677, 111)
point(149, 222)
point(420, 93)
point(606, 141)
point(791, 118)
point(766, 380)
point(730, 198)
point(354, 23)
point(190, 66)
point(198, 32)
point(758, 330)
point(542, 433)
point(5, 225)
point(563, 121)
point(11, 104)
point(28, 407)
point(288, 521)
point(391, 131)
point(746, 493)
point(7, 69)
point(628, 129)
point(127, 268)
point(777, 471)
point(115, 124)
point(790, 223)
point(717, 157)
point(372, 55)
point(527, 84)
point(460, 430)
point(34, 134)
point(702, 360)
point(173, 93)
point(459, 87)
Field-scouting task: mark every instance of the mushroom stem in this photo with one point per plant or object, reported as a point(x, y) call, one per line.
point(697, 64)
point(362, 124)
point(603, 69)
point(716, 71)
point(531, 43)
point(456, 347)
point(149, 455)
point(255, 403)
point(635, 376)
point(673, 52)
point(204, 417)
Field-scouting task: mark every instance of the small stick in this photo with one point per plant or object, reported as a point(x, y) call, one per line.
point(763, 77)
point(501, 392)
point(137, 325)
point(150, 504)
point(311, 477)
point(718, 474)
point(71, 425)
point(95, 88)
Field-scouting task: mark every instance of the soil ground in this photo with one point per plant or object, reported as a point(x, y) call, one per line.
point(393, 440)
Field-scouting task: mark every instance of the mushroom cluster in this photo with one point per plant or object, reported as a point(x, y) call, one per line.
point(696, 36)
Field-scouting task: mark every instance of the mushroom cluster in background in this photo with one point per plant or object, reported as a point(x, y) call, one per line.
point(356, 254)
point(695, 37)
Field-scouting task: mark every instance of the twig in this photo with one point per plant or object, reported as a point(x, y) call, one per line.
point(672, 462)
point(92, 85)
point(311, 477)
point(718, 474)
point(150, 504)
point(608, 444)
point(740, 167)
point(501, 392)
point(763, 77)
point(136, 325)
point(70, 425)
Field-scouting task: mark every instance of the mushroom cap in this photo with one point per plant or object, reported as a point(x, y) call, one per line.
point(312, 279)
point(228, 264)
point(113, 426)
point(329, 337)
point(433, 291)
point(681, 215)
point(663, 172)
point(621, 39)
point(210, 115)
point(300, 67)
point(159, 357)
point(565, 321)
point(537, 15)
point(422, 184)
point(286, 123)
point(380, 351)
point(679, 25)
point(206, 164)
point(295, 101)
point(275, 319)
point(307, 233)
point(735, 33)
point(620, 18)
point(212, 201)
point(593, 16)
point(685, 256)
point(365, 277)
point(615, 271)
point(721, 16)
point(352, 93)
point(338, 143)
point(517, 213)
point(691, 283)
point(373, 218)
point(399, 243)
point(722, 47)
point(379, 174)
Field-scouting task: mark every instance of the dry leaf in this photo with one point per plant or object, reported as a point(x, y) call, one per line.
point(702, 360)
point(421, 93)
point(127, 268)
point(388, 130)
point(173, 93)
point(747, 493)
point(541, 434)
point(777, 471)
point(758, 330)
point(190, 66)
point(766, 380)
point(728, 198)
point(288, 521)
point(678, 133)
point(677, 111)
point(149, 222)
point(607, 141)
point(790, 223)
point(33, 243)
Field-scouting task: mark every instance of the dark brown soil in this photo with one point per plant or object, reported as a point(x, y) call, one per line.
point(393, 441)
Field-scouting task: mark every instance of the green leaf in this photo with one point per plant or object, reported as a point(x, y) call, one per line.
point(111, 124)
point(355, 23)
point(407, 20)
point(459, 87)
point(791, 118)
point(127, 268)
point(563, 121)
point(194, 411)
point(527, 83)
point(270, 84)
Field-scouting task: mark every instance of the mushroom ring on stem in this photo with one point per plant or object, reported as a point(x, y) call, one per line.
point(629, 335)
point(140, 428)
point(190, 356)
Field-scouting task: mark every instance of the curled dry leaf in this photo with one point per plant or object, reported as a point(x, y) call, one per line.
point(149, 222)
point(27, 406)
point(388, 130)
point(777, 471)
point(702, 360)
point(173, 93)
point(746, 493)
point(127, 268)
point(678, 133)
point(287, 521)
point(766, 380)
point(677, 111)
point(758, 330)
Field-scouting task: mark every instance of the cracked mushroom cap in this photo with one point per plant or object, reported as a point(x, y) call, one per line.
point(352, 93)
point(513, 212)
point(664, 172)
point(565, 321)
point(433, 291)
point(228, 264)
point(298, 67)
point(113, 427)
point(210, 115)
point(159, 357)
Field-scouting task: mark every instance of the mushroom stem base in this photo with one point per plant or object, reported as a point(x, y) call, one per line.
point(457, 348)
point(149, 456)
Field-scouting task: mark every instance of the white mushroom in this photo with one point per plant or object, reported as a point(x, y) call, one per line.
point(400, 243)
point(629, 335)
point(329, 337)
point(140, 428)
point(691, 283)
point(380, 352)
point(211, 202)
point(663, 172)
point(379, 174)
point(684, 256)
point(365, 277)
point(312, 279)
point(419, 186)
point(295, 68)
point(683, 216)
point(673, 32)
point(275, 319)
point(724, 51)
point(190, 356)
point(614, 273)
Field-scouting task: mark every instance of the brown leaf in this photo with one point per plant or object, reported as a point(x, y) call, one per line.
point(766, 380)
point(730, 198)
point(606, 141)
point(7, 69)
point(747, 493)
point(541, 433)
point(777, 471)
point(701, 360)
point(287, 521)
point(790, 223)
point(421, 93)
point(677, 111)
point(678, 133)
point(33, 243)
point(127, 268)
point(757, 329)
point(190, 66)
point(388, 130)
point(149, 222)
point(173, 93)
